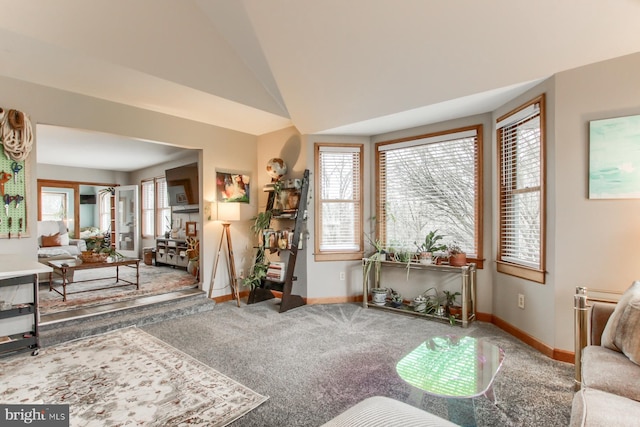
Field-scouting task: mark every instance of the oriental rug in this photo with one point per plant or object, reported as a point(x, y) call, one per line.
point(126, 377)
point(154, 280)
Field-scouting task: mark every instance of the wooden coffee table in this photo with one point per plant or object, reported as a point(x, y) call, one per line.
point(65, 267)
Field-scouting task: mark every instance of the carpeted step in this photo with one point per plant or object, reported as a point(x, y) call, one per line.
point(52, 333)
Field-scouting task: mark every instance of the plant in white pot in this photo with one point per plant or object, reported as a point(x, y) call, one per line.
point(430, 245)
point(379, 296)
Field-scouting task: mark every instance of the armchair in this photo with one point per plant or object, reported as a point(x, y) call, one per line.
point(607, 356)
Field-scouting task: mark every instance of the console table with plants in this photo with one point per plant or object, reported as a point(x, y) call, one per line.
point(467, 275)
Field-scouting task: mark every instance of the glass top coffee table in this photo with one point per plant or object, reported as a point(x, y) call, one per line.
point(454, 368)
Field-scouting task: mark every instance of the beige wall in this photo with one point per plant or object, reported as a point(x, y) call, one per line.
point(597, 242)
point(221, 148)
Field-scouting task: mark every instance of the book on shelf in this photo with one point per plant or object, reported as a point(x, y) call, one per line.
point(275, 271)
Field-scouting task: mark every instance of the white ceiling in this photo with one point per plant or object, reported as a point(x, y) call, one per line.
point(333, 66)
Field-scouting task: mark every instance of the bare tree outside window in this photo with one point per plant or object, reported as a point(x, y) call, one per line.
point(430, 185)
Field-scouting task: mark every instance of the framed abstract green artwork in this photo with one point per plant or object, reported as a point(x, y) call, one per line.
point(614, 158)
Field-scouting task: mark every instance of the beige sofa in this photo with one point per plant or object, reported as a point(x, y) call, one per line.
point(65, 248)
point(610, 381)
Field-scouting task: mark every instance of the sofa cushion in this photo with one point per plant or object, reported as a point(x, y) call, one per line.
point(49, 228)
point(627, 336)
point(610, 371)
point(597, 408)
point(631, 295)
point(49, 241)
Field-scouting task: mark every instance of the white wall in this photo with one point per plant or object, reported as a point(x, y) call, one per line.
point(221, 148)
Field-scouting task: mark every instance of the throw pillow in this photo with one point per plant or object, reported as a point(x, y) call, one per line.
point(627, 336)
point(53, 240)
point(608, 335)
point(64, 239)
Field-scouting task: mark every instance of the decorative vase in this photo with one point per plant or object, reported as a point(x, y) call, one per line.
point(192, 267)
point(379, 296)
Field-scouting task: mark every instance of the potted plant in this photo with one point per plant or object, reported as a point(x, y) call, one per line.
point(427, 302)
point(429, 246)
point(379, 296)
point(375, 258)
point(452, 309)
point(258, 271)
point(396, 299)
point(457, 257)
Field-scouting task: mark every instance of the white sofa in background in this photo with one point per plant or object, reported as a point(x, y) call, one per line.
point(66, 249)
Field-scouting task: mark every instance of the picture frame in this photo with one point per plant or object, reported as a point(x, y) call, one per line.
point(191, 229)
point(614, 158)
point(233, 187)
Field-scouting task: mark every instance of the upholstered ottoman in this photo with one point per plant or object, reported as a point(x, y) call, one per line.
point(379, 411)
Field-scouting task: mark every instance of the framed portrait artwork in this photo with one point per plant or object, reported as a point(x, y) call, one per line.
point(191, 229)
point(233, 187)
point(614, 158)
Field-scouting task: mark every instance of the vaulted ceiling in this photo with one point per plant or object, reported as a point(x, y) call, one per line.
point(325, 66)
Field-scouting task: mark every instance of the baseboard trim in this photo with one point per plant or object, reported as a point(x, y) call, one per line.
point(552, 353)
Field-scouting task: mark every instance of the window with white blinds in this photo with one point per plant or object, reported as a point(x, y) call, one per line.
point(163, 210)
point(155, 211)
point(148, 191)
point(339, 202)
point(521, 147)
point(431, 182)
point(105, 211)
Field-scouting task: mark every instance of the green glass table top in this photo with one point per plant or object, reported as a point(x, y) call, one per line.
point(452, 366)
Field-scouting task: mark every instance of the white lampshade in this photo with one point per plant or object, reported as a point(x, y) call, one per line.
point(229, 212)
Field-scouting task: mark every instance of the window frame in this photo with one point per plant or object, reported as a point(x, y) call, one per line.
point(510, 267)
point(338, 255)
point(380, 213)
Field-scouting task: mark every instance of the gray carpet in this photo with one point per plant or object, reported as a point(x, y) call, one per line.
point(316, 361)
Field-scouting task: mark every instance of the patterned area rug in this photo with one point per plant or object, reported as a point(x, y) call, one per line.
point(154, 280)
point(126, 377)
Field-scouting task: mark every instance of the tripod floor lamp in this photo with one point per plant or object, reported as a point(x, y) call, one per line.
point(227, 213)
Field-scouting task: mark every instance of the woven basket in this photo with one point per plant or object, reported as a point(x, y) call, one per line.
point(89, 256)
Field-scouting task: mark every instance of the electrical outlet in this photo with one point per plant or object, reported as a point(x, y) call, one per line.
point(521, 300)
point(342, 275)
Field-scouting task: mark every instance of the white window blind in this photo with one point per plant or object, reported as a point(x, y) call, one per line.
point(521, 194)
point(148, 208)
point(163, 211)
point(430, 183)
point(339, 198)
point(105, 212)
